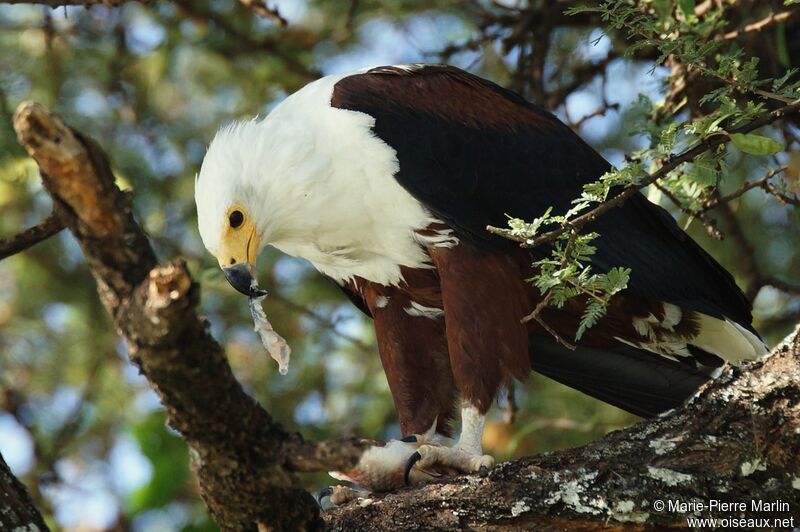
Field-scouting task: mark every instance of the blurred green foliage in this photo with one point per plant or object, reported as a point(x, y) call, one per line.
point(152, 84)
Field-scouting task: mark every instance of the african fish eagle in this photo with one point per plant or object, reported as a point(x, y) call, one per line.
point(386, 179)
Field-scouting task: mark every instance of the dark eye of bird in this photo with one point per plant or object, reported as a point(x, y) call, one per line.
point(236, 219)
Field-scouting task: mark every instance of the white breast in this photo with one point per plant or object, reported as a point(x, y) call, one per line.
point(339, 205)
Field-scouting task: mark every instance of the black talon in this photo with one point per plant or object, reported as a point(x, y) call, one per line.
point(483, 471)
point(413, 459)
point(325, 492)
point(409, 439)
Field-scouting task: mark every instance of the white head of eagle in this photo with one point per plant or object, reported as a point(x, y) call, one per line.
point(386, 179)
point(314, 181)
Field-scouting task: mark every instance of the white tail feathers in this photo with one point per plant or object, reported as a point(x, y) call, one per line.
point(727, 339)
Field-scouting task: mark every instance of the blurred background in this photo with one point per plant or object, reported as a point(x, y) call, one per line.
point(152, 83)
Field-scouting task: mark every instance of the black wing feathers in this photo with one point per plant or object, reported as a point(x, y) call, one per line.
point(642, 383)
point(474, 152)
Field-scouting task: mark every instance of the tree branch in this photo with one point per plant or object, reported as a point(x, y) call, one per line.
point(735, 441)
point(243, 458)
point(17, 511)
point(762, 182)
point(31, 236)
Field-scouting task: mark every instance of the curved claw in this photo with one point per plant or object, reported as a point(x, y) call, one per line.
point(413, 459)
point(409, 439)
point(325, 492)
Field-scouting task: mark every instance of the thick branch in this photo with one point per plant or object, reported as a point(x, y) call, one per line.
point(31, 236)
point(17, 511)
point(738, 440)
point(243, 459)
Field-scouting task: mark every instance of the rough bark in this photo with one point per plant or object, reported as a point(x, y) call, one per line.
point(17, 511)
point(738, 440)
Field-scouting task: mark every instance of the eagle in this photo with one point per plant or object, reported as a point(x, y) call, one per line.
point(386, 180)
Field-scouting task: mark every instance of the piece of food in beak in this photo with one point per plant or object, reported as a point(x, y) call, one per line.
point(276, 346)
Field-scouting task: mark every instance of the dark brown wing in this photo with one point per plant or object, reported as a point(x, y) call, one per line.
point(474, 152)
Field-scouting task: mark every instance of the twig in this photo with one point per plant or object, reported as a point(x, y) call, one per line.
point(31, 236)
point(351, 15)
point(535, 315)
point(708, 223)
point(783, 198)
point(581, 75)
point(671, 163)
point(769, 20)
point(771, 95)
point(540, 47)
point(601, 111)
point(756, 279)
point(716, 200)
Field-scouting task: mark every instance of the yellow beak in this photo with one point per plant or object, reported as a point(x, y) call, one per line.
point(237, 258)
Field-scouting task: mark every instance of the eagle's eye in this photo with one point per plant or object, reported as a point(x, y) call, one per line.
point(236, 218)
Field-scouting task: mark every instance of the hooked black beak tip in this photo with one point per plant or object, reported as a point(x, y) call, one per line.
point(241, 278)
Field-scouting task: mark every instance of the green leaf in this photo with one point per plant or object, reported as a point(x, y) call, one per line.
point(756, 144)
point(594, 311)
point(663, 8)
point(687, 7)
point(703, 171)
